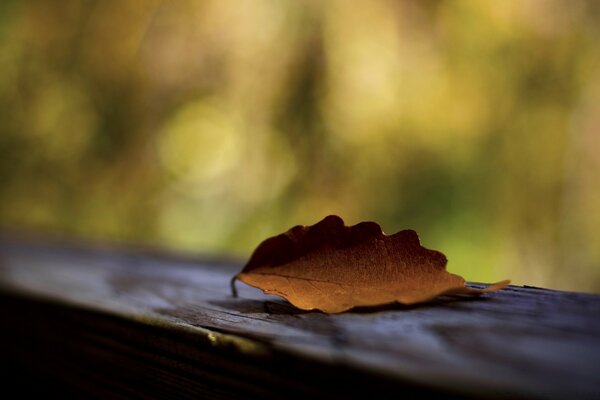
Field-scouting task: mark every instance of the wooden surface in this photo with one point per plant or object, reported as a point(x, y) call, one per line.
point(109, 321)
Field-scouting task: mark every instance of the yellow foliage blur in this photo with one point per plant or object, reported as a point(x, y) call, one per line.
point(210, 125)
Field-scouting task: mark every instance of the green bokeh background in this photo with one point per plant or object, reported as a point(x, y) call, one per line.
point(207, 126)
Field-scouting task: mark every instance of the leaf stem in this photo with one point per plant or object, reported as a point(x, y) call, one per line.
point(234, 291)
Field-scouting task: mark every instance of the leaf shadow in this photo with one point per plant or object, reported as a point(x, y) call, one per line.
point(251, 306)
point(437, 302)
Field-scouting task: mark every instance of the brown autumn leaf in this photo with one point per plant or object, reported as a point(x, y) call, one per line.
point(333, 268)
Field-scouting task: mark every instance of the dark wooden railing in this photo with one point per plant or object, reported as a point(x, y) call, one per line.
point(93, 321)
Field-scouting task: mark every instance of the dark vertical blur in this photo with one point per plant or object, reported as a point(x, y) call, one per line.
point(208, 125)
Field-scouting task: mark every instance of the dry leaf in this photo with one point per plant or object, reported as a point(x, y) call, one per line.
point(333, 268)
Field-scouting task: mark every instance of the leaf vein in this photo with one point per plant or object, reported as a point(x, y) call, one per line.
point(288, 277)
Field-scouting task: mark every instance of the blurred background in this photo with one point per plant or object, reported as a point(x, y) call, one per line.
point(207, 126)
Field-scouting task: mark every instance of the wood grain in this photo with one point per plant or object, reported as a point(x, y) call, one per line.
point(138, 323)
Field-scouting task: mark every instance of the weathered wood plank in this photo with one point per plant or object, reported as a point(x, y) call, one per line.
point(525, 342)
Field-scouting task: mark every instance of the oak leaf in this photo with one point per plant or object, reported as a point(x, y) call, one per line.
point(333, 268)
